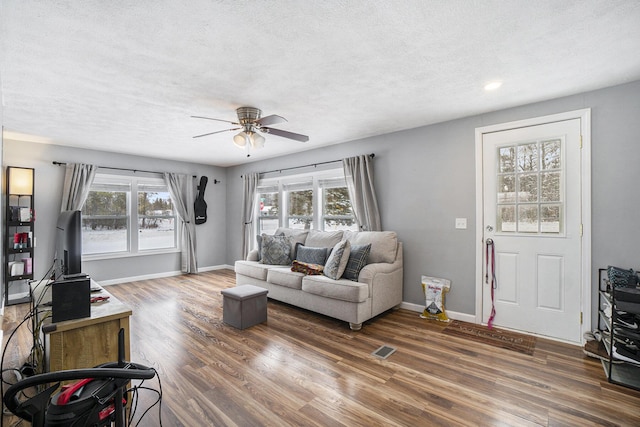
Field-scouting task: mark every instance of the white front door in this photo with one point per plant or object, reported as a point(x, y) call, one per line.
point(531, 186)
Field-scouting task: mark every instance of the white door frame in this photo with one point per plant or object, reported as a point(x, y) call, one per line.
point(585, 176)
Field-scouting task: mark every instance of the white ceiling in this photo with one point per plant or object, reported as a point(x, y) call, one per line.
point(126, 76)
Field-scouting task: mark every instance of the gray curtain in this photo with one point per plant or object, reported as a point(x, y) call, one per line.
point(77, 183)
point(358, 172)
point(181, 189)
point(248, 208)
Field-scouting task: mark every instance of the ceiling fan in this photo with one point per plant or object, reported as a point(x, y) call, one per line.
point(250, 122)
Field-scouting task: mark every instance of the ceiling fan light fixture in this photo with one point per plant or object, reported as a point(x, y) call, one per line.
point(240, 140)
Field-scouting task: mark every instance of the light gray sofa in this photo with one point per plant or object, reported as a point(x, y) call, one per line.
point(378, 288)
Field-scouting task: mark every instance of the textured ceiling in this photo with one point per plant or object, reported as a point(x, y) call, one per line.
point(126, 76)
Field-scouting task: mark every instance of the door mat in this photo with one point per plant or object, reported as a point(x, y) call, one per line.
point(514, 341)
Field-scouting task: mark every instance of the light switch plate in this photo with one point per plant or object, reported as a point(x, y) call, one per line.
point(461, 223)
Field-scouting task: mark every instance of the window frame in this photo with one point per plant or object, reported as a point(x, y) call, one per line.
point(297, 182)
point(135, 184)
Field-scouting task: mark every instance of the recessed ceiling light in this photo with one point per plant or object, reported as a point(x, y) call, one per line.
point(492, 85)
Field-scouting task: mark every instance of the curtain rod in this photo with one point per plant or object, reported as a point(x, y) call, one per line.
point(372, 155)
point(123, 169)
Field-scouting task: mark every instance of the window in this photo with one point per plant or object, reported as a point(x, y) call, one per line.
point(268, 209)
point(127, 215)
point(299, 198)
point(310, 201)
point(336, 206)
point(530, 188)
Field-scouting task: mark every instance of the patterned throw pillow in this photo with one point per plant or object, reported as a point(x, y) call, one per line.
point(312, 255)
point(337, 261)
point(307, 268)
point(276, 250)
point(357, 260)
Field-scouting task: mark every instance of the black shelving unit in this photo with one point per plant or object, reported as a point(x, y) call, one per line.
point(19, 234)
point(620, 369)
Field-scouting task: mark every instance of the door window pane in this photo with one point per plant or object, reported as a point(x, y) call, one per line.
point(528, 157)
point(506, 188)
point(528, 219)
point(550, 154)
point(550, 187)
point(550, 216)
point(506, 159)
point(506, 219)
point(528, 188)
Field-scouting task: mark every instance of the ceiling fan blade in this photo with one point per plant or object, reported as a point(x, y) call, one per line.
point(286, 134)
point(219, 131)
point(270, 120)
point(217, 120)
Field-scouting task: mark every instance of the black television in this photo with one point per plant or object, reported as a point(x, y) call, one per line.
point(68, 254)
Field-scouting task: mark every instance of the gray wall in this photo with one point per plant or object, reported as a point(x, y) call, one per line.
point(211, 236)
point(425, 178)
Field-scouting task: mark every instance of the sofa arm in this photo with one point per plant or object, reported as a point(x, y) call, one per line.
point(369, 271)
point(252, 255)
point(385, 282)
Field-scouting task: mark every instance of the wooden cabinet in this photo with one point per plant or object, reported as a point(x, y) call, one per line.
point(86, 342)
point(19, 235)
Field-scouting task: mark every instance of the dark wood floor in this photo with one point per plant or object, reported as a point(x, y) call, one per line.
point(303, 369)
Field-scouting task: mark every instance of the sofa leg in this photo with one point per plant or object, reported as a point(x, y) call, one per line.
point(355, 326)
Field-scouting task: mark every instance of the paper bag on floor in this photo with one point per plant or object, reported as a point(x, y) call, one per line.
point(434, 290)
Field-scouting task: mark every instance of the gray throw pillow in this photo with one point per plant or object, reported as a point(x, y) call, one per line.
point(311, 255)
point(276, 250)
point(357, 260)
point(337, 261)
point(259, 241)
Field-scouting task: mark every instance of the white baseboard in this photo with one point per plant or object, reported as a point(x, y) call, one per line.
point(158, 275)
point(471, 318)
point(136, 278)
point(217, 267)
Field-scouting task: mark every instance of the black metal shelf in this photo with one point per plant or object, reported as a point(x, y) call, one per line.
point(18, 198)
point(617, 370)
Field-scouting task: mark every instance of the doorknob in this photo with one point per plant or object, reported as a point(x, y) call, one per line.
point(489, 228)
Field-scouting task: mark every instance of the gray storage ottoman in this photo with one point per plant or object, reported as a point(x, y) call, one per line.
point(244, 306)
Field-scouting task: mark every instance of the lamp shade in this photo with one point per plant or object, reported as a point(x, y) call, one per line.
point(257, 140)
point(240, 140)
point(20, 181)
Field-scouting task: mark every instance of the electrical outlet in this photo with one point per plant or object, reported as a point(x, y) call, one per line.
point(461, 223)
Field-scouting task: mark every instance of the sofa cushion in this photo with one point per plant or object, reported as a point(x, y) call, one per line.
point(357, 260)
point(307, 268)
point(337, 261)
point(276, 250)
point(297, 236)
point(384, 244)
point(311, 255)
point(345, 290)
point(323, 239)
point(283, 276)
point(252, 269)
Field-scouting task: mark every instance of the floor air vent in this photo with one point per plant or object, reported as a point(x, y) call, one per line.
point(384, 352)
